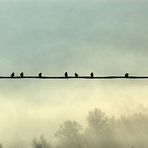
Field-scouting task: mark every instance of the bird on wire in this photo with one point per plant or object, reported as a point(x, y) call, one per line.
point(40, 75)
point(76, 75)
point(12, 75)
point(22, 75)
point(66, 74)
point(92, 75)
point(126, 75)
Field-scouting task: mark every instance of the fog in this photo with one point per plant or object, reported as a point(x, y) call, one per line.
point(62, 114)
point(101, 131)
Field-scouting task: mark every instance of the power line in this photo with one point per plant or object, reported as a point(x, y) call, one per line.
point(76, 76)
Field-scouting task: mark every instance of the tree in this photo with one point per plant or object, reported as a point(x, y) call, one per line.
point(99, 132)
point(69, 135)
point(1, 145)
point(42, 143)
point(97, 120)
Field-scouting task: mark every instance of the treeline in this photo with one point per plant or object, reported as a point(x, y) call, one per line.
point(101, 132)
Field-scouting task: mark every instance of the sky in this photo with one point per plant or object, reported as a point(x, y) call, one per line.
point(108, 37)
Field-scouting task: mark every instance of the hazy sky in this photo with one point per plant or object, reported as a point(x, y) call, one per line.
point(108, 37)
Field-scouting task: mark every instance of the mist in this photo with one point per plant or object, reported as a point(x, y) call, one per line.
point(100, 131)
point(29, 118)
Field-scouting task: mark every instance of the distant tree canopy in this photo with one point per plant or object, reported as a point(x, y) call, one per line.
point(68, 129)
point(101, 132)
point(97, 120)
point(41, 143)
point(69, 134)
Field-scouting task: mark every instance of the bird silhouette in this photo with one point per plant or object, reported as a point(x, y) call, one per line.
point(126, 75)
point(12, 75)
point(40, 75)
point(66, 75)
point(76, 75)
point(22, 75)
point(92, 75)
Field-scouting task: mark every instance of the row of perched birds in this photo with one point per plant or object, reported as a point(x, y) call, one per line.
point(40, 75)
point(66, 75)
point(76, 75)
point(91, 75)
point(22, 75)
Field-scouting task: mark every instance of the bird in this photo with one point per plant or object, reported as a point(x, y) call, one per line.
point(76, 75)
point(126, 75)
point(12, 75)
point(40, 75)
point(66, 75)
point(92, 75)
point(22, 75)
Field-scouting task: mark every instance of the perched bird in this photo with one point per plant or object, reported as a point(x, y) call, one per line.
point(22, 75)
point(92, 75)
point(126, 75)
point(40, 75)
point(66, 75)
point(76, 75)
point(12, 75)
